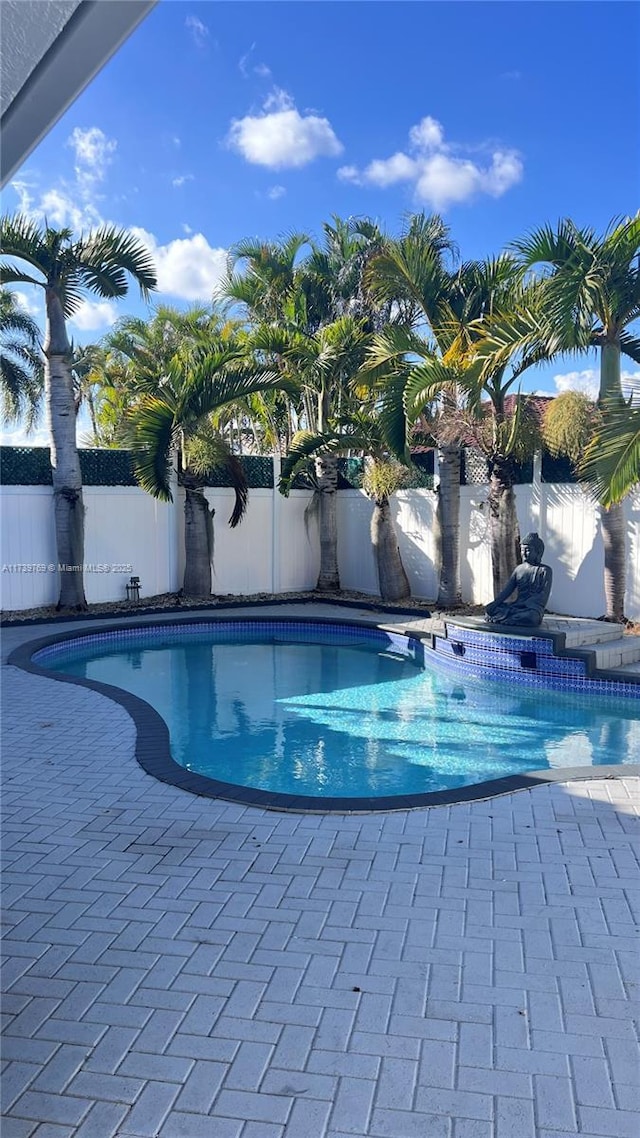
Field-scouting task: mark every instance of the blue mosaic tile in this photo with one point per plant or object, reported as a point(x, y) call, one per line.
point(487, 655)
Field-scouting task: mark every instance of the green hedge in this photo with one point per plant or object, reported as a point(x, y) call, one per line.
point(31, 466)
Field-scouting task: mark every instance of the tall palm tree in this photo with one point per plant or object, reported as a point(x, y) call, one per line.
point(67, 270)
point(333, 277)
point(485, 309)
point(88, 363)
point(415, 273)
point(182, 368)
point(300, 312)
point(21, 362)
point(494, 353)
point(360, 429)
point(263, 276)
point(591, 295)
point(322, 366)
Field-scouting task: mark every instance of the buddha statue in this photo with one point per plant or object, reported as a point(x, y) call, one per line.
point(531, 582)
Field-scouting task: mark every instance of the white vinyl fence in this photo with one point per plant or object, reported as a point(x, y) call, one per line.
point(272, 551)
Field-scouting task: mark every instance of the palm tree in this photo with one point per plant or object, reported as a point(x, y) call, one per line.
point(503, 337)
point(182, 367)
point(415, 273)
point(270, 275)
point(305, 312)
point(362, 430)
point(333, 277)
point(88, 363)
point(591, 296)
point(67, 270)
point(321, 367)
point(21, 363)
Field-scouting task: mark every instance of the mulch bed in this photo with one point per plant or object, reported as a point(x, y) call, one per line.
point(174, 602)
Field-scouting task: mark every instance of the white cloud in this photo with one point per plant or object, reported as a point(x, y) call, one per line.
point(94, 315)
point(187, 268)
point(245, 69)
point(243, 62)
point(439, 177)
point(505, 171)
point(276, 192)
point(62, 209)
point(585, 381)
point(181, 179)
point(72, 203)
point(280, 137)
point(18, 437)
point(349, 174)
point(94, 154)
point(631, 386)
point(199, 31)
point(588, 382)
point(427, 135)
point(32, 304)
point(398, 168)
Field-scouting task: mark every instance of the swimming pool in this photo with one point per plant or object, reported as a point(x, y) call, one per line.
point(308, 710)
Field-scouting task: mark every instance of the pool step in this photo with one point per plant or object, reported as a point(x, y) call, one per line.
point(592, 632)
point(617, 653)
point(626, 670)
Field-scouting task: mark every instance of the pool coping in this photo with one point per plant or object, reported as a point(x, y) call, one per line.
point(153, 751)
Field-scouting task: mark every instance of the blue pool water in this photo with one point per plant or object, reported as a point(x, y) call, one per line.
point(331, 711)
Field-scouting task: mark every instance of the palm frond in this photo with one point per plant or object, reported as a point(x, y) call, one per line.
point(630, 346)
point(22, 238)
point(207, 452)
point(9, 274)
point(151, 432)
point(304, 445)
point(622, 240)
point(395, 344)
point(217, 378)
point(612, 460)
point(548, 246)
point(106, 257)
point(426, 382)
point(392, 417)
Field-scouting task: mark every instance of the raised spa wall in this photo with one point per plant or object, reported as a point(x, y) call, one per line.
point(534, 660)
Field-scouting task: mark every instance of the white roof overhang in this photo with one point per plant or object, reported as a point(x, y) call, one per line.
point(50, 52)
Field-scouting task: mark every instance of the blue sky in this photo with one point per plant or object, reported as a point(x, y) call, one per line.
point(217, 121)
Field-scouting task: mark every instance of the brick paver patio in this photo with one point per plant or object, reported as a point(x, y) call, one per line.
point(185, 968)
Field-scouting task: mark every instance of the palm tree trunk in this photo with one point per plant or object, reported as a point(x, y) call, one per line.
point(613, 536)
point(392, 579)
point(326, 467)
point(612, 520)
point(449, 525)
point(505, 532)
point(65, 462)
point(198, 544)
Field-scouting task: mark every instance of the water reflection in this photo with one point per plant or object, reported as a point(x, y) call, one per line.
point(347, 719)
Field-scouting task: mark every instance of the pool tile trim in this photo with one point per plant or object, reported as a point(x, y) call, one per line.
point(547, 643)
point(153, 752)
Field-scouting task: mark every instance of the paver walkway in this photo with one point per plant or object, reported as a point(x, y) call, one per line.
point(185, 968)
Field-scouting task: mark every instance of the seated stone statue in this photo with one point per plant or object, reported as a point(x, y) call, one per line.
point(532, 581)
